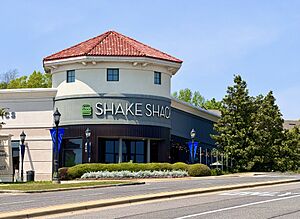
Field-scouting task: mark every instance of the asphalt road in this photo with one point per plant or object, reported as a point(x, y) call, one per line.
point(15, 202)
point(280, 201)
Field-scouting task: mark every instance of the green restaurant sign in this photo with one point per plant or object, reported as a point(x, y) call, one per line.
point(86, 110)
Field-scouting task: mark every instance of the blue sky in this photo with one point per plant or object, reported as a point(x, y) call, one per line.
point(215, 39)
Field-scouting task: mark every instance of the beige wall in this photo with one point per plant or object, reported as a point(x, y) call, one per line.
point(91, 79)
point(31, 110)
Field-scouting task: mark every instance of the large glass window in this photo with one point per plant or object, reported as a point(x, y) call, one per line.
point(111, 151)
point(72, 152)
point(70, 76)
point(157, 77)
point(134, 150)
point(112, 74)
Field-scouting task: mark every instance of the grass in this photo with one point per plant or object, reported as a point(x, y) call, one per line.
point(48, 185)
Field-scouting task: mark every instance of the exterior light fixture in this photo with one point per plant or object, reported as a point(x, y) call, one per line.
point(193, 134)
point(88, 144)
point(56, 117)
point(22, 147)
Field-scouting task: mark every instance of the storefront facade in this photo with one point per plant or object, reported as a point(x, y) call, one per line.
point(120, 90)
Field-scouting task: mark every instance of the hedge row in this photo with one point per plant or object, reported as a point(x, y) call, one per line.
point(80, 169)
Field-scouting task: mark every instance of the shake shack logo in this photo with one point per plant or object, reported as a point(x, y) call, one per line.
point(86, 110)
point(127, 109)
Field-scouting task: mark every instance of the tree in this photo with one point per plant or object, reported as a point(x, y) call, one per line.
point(268, 133)
point(39, 80)
point(185, 95)
point(250, 131)
point(7, 77)
point(235, 131)
point(35, 80)
point(196, 99)
point(289, 155)
point(20, 82)
point(213, 104)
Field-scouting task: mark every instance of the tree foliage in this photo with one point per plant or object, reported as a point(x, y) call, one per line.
point(268, 133)
point(35, 80)
point(289, 158)
point(250, 131)
point(213, 104)
point(8, 76)
point(196, 99)
point(235, 130)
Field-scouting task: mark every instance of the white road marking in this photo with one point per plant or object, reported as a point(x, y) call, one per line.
point(238, 206)
point(261, 194)
point(285, 194)
point(10, 203)
point(264, 194)
point(92, 194)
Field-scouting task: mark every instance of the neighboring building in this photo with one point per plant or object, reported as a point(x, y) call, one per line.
point(289, 124)
point(30, 110)
point(120, 89)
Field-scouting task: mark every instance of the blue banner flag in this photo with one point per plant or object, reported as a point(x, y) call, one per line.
point(190, 144)
point(61, 132)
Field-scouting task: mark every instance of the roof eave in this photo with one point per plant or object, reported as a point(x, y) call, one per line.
point(71, 60)
point(198, 111)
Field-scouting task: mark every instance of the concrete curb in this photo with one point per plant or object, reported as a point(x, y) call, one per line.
point(72, 188)
point(38, 212)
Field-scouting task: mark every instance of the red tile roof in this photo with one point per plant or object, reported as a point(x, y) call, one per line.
point(112, 43)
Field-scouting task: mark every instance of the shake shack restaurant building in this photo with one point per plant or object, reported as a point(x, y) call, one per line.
point(119, 88)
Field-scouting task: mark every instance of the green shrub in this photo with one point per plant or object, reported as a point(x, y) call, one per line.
point(199, 170)
point(216, 172)
point(78, 170)
point(180, 166)
point(165, 166)
point(63, 173)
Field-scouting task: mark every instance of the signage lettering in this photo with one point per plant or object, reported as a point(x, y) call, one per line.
point(128, 109)
point(134, 109)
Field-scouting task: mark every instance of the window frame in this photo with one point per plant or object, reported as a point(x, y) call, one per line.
point(71, 78)
point(114, 77)
point(157, 77)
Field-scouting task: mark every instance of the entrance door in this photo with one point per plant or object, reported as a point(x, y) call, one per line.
point(15, 146)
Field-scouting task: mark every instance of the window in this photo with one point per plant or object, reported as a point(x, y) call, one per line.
point(73, 152)
point(111, 151)
point(70, 76)
point(157, 77)
point(112, 74)
point(134, 150)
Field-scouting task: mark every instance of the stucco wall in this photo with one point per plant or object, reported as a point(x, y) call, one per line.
point(31, 110)
point(91, 79)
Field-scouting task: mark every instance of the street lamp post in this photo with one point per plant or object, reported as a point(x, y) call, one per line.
point(88, 145)
point(193, 134)
point(56, 116)
point(22, 147)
